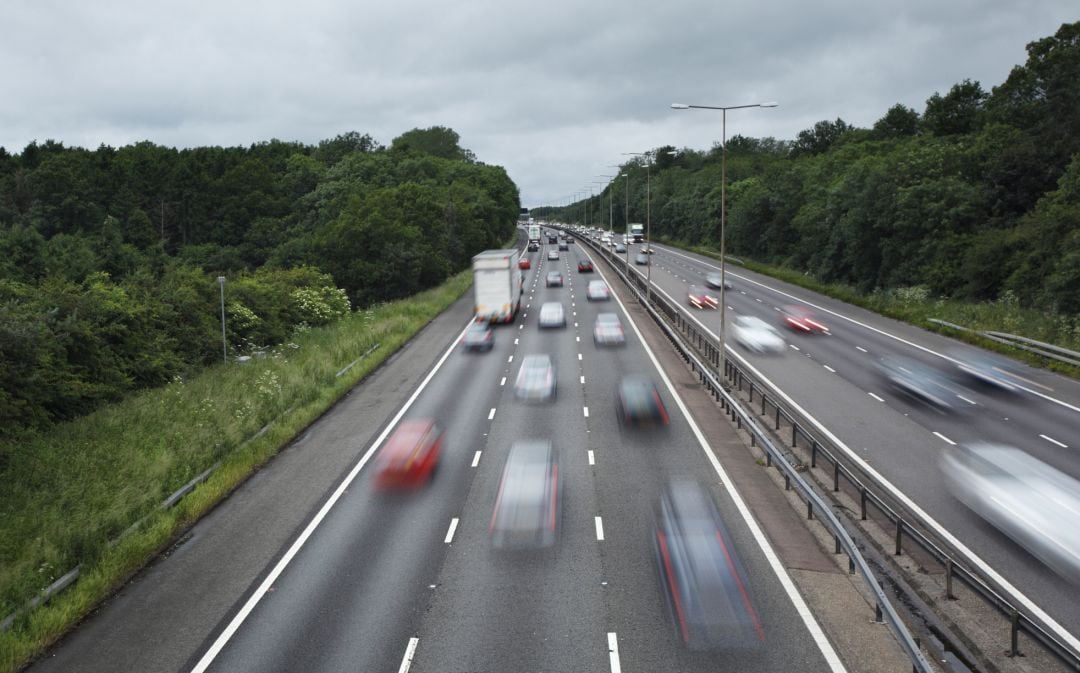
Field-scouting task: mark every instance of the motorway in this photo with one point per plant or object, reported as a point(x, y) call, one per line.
point(377, 581)
point(834, 377)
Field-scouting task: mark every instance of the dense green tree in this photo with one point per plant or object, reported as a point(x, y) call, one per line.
point(898, 122)
point(818, 139)
point(956, 112)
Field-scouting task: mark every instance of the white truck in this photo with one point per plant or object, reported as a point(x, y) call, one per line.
point(635, 232)
point(498, 284)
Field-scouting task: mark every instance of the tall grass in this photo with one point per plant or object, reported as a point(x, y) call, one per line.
point(915, 305)
point(66, 494)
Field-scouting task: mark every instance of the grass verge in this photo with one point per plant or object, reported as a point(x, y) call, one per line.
point(914, 305)
point(68, 494)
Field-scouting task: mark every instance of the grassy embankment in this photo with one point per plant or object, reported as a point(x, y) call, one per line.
point(915, 306)
point(67, 494)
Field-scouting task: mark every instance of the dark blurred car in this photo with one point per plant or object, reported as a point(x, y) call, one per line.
point(584, 265)
point(597, 290)
point(713, 279)
point(1033, 503)
point(704, 583)
point(639, 403)
point(608, 330)
point(563, 246)
point(699, 297)
point(570, 239)
point(528, 507)
point(919, 381)
point(410, 455)
point(554, 279)
point(641, 259)
point(986, 370)
point(536, 379)
point(479, 337)
point(553, 255)
point(801, 319)
point(552, 315)
point(551, 238)
point(524, 263)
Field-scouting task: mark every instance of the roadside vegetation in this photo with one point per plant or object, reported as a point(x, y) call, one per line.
point(69, 494)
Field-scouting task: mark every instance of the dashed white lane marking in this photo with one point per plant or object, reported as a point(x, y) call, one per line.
point(829, 368)
point(510, 359)
point(521, 326)
point(515, 342)
point(966, 399)
point(599, 529)
point(491, 414)
point(503, 382)
point(476, 458)
point(410, 650)
point(944, 438)
point(582, 380)
point(879, 399)
point(757, 300)
point(793, 346)
point(586, 411)
point(613, 652)
point(575, 325)
point(592, 458)
point(860, 348)
point(1054, 441)
point(578, 338)
point(579, 356)
point(450, 533)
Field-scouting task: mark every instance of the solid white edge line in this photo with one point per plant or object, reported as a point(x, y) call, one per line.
point(599, 529)
point(450, 533)
point(944, 438)
point(875, 329)
point(879, 399)
point(491, 414)
point(940, 530)
point(230, 630)
point(592, 458)
point(410, 651)
point(613, 652)
point(476, 458)
point(1054, 441)
point(827, 651)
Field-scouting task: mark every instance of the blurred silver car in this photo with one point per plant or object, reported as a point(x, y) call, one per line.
point(986, 370)
point(552, 314)
point(918, 381)
point(704, 583)
point(1023, 497)
point(756, 335)
point(536, 379)
point(528, 506)
point(608, 330)
point(597, 290)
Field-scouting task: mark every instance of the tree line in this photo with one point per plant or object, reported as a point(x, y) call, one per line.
point(109, 258)
point(976, 197)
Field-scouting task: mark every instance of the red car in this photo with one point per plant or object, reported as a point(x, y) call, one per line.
point(410, 455)
point(524, 263)
point(801, 319)
point(699, 297)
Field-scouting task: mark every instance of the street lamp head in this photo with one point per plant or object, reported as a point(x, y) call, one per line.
point(680, 106)
point(221, 279)
point(770, 104)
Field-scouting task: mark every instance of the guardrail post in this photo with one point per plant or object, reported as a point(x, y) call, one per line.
point(787, 483)
point(813, 453)
point(948, 579)
point(836, 543)
point(899, 535)
point(836, 476)
point(862, 503)
point(878, 617)
point(777, 418)
point(794, 438)
point(762, 402)
point(751, 392)
point(809, 509)
point(850, 565)
point(768, 459)
point(1014, 634)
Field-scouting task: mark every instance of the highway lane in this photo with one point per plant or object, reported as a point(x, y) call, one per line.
point(379, 571)
point(901, 438)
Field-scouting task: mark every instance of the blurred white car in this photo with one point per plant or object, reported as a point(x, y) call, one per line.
point(756, 335)
point(552, 314)
point(1023, 497)
point(608, 330)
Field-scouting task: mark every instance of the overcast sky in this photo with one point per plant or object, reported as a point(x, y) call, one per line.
point(554, 90)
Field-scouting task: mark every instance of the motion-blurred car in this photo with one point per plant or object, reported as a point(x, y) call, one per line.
point(801, 319)
point(639, 403)
point(410, 455)
point(524, 263)
point(919, 381)
point(552, 315)
point(1031, 502)
point(608, 330)
point(479, 337)
point(647, 250)
point(584, 265)
point(597, 290)
point(570, 239)
point(641, 259)
point(699, 297)
point(756, 335)
point(563, 246)
point(534, 247)
point(554, 279)
point(704, 583)
point(528, 506)
point(713, 279)
point(986, 370)
point(620, 248)
point(553, 255)
point(552, 238)
point(536, 379)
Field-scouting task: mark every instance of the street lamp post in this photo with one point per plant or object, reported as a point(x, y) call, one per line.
point(224, 346)
point(648, 217)
point(723, 206)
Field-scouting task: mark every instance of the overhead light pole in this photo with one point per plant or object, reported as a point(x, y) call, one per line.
point(224, 343)
point(723, 207)
point(649, 156)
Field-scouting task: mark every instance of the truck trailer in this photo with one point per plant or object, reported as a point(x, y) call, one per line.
point(498, 285)
point(635, 232)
